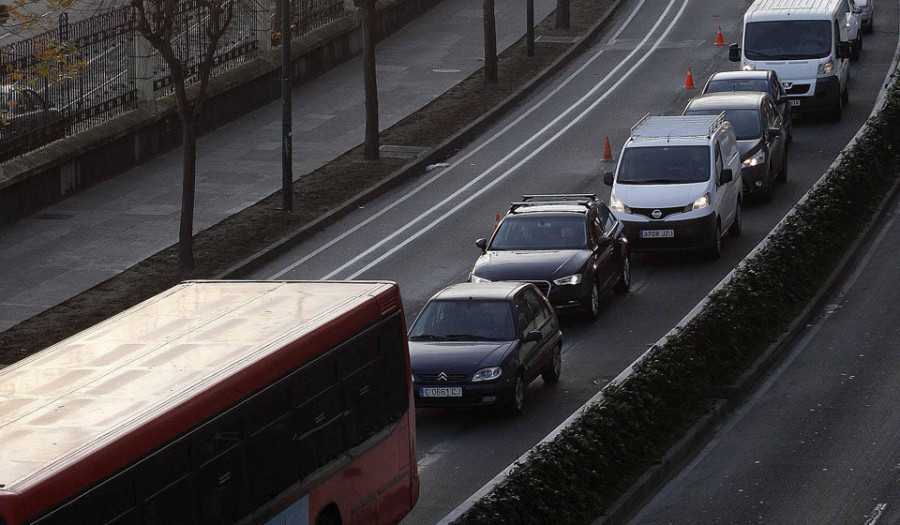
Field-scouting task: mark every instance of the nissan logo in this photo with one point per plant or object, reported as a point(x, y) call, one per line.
point(656, 214)
point(442, 376)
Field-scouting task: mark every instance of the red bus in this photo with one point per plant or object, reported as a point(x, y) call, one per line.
point(216, 402)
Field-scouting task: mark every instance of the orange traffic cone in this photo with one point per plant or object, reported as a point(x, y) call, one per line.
point(720, 40)
point(497, 220)
point(689, 80)
point(607, 152)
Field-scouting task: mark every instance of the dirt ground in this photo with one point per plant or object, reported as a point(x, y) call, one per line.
point(240, 236)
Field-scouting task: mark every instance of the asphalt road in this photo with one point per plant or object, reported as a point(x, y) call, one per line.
point(421, 235)
point(817, 442)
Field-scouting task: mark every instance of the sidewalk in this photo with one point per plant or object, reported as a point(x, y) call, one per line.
point(70, 247)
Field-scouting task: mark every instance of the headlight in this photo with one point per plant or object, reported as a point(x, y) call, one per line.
point(825, 68)
point(756, 159)
point(699, 204)
point(476, 279)
point(572, 279)
point(617, 205)
point(487, 374)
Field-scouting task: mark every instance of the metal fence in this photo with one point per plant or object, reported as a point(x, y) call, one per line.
point(78, 75)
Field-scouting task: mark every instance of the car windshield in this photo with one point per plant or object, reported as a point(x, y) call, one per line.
point(464, 320)
point(738, 84)
point(664, 165)
point(532, 232)
point(786, 40)
point(745, 122)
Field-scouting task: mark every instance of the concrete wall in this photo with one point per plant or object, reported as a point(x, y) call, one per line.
point(46, 176)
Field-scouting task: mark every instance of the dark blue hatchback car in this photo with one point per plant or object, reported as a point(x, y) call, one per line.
point(481, 344)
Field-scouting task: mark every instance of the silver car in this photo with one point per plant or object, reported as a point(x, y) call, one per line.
point(866, 11)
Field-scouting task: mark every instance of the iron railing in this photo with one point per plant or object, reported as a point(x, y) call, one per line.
point(97, 78)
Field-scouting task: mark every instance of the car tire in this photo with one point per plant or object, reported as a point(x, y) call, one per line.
point(855, 49)
point(592, 304)
point(737, 225)
point(552, 371)
point(845, 97)
point(623, 284)
point(515, 400)
point(715, 247)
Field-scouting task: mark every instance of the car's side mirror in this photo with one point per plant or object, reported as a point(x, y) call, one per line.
point(603, 242)
point(608, 178)
point(774, 132)
point(844, 49)
point(726, 176)
point(734, 52)
point(534, 335)
point(482, 243)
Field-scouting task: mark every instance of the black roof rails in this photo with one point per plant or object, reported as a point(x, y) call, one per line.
point(578, 199)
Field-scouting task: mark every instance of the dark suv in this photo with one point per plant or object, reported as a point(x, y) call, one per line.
point(570, 246)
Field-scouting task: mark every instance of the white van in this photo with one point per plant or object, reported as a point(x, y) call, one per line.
point(677, 185)
point(805, 42)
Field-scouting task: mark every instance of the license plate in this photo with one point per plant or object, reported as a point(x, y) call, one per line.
point(795, 102)
point(657, 234)
point(442, 391)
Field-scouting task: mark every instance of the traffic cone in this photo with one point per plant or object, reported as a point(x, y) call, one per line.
point(497, 220)
point(720, 40)
point(607, 152)
point(689, 80)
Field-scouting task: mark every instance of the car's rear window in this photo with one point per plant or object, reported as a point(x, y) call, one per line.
point(745, 122)
point(738, 84)
point(535, 232)
point(664, 165)
point(464, 320)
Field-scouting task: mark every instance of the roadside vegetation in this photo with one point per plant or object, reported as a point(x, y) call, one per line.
point(592, 462)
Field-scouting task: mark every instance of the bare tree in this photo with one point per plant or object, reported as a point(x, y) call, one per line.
point(367, 25)
point(159, 21)
point(490, 43)
point(562, 14)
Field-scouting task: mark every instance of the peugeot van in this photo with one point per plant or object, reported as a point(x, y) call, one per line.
point(806, 43)
point(677, 185)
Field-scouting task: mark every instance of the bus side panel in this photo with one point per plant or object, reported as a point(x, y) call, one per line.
point(10, 508)
point(360, 485)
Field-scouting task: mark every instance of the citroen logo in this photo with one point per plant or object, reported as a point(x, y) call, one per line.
point(442, 376)
point(656, 214)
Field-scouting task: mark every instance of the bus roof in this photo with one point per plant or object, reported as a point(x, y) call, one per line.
point(121, 387)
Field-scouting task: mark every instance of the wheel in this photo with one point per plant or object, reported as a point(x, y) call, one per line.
point(623, 284)
point(782, 175)
point(515, 402)
point(554, 367)
point(329, 516)
point(592, 306)
point(766, 193)
point(845, 97)
point(738, 224)
point(836, 105)
point(715, 247)
point(855, 49)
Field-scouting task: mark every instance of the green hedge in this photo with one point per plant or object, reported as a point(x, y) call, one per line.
point(592, 462)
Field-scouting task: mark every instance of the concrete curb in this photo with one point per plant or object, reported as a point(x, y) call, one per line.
point(417, 167)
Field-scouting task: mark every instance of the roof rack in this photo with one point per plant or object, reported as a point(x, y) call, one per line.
point(677, 126)
point(577, 199)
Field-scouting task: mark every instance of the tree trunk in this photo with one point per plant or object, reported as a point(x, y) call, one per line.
point(189, 169)
point(367, 23)
point(490, 43)
point(562, 14)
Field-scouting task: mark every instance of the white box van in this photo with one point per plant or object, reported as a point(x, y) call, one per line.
point(677, 185)
point(805, 42)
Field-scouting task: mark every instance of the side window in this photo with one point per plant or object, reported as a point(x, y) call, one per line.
point(596, 228)
point(524, 316)
point(534, 304)
point(719, 163)
point(774, 118)
point(606, 217)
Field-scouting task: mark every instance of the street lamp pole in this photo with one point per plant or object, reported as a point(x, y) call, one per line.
point(287, 176)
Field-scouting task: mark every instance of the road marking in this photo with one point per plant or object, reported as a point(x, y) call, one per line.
point(877, 512)
point(481, 146)
point(527, 158)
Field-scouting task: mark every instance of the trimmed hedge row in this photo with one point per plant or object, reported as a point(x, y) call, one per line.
point(597, 458)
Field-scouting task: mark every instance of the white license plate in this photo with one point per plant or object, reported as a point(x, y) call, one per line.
point(442, 391)
point(795, 102)
point(657, 234)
